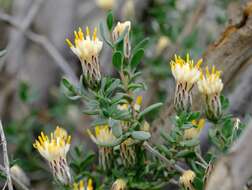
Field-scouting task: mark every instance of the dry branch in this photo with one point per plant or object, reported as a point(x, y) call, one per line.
point(5, 157)
point(233, 170)
point(46, 44)
point(230, 53)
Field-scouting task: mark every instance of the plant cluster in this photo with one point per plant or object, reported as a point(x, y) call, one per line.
point(120, 129)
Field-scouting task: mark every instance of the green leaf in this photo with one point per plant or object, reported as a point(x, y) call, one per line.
point(116, 128)
point(141, 45)
point(184, 153)
point(193, 116)
point(110, 20)
point(104, 36)
point(190, 143)
point(3, 52)
point(24, 91)
point(136, 58)
point(117, 60)
point(134, 86)
point(91, 112)
point(149, 109)
point(140, 135)
point(68, 85)
point(224, 102)
point(87, 161)
point(99, 121)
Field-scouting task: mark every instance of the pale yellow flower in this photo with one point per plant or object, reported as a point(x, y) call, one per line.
point(103, 135)
point(184, 71)
point(187, 179)
point(88, 48)
point(55, 149)
point(210, 83)
point(186, 75)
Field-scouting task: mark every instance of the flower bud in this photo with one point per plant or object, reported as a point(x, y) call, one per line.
point(119, 184)
point(186, 75)
point(118, 31)
point(210, 85)
point(138, 103)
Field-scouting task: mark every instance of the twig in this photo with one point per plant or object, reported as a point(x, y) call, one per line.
point(148, 147)
point(45, 43)
point(31, 14)
point(18, 182)
point(5, 157)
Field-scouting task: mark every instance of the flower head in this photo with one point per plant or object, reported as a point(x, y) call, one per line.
point(87, 48)
point(186, 75)
point(184, 71)
point(55, 149)
point(103, 135)
point(187, 179)
point(81, 186)
point(210, 83)
point(194, 132)
point(118, 31)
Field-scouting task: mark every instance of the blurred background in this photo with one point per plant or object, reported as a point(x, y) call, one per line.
point(33, 33)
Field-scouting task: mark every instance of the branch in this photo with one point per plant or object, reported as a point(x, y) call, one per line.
point(18, 182)
point(148, 147)
point(233, 170)
point(45, 43)
point(5, 157)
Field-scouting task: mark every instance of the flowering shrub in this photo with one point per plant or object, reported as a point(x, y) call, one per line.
point(127, 160)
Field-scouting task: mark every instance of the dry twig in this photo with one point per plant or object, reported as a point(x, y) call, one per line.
point(5, 157)
point(45, 43)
